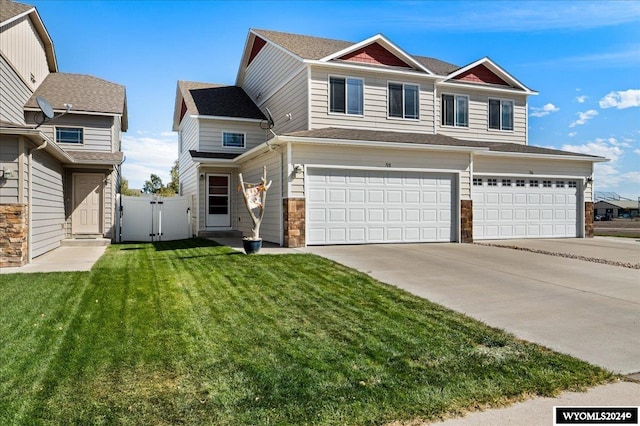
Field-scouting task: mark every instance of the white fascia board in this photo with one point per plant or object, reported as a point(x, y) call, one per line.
point(77, 112)
point(371, 70)
point(378, 144)
point(544, 156)
point(15, 18)
point(497, 68)
point(378, 38)
point(223, 118)
point(215, 162)
point(484, 88)
point(39, 138)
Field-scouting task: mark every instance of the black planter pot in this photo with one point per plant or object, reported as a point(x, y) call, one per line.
point(251, 246)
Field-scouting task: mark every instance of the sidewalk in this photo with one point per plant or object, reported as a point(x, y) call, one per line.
point(62, 259)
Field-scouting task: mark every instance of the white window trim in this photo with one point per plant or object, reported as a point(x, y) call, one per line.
point(55, 134)
point(513, 102)
point(404, 113)
point(455, 116)
point(346, 101)
point(244, 139)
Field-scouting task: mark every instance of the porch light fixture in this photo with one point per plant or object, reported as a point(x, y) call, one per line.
point(590, 179)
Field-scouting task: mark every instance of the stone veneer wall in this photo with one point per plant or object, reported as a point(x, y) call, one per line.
point(14, 245)
point(588, 219)
point(466, 221)
point(294, 222)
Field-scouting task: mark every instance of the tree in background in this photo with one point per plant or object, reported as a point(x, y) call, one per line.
point(125, 190)
point(155, 186)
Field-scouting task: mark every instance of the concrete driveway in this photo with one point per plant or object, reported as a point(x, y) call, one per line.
point(586, 309)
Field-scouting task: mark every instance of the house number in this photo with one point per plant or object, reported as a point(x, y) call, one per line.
point(387, 164)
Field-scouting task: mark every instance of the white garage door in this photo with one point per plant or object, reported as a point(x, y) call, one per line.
point(377, 206)
point(524, 208)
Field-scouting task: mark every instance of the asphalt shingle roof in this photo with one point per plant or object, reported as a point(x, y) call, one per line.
point(309, 47)
point(96, 157)
point(218, 100)
point(10, 9)
point(425, 139)
point(84, 92)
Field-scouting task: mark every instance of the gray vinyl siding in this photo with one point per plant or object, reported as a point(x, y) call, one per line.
point(536, 167)
point(97, 131)
point(210, 134)
point(22, 46)
point(187, 169)
point(308, 154)
point(9, 159)
point(269, 70)
point(375, 102)
point(479, 117)
point(14, 94)
point(47, 216)
point(291, 99)
point(270, 230)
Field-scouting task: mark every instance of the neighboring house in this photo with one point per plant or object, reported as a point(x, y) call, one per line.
point(58, 178)
point(371, 144)
point(617, 208)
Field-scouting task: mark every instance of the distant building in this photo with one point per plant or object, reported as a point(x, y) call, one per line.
point(617, 208)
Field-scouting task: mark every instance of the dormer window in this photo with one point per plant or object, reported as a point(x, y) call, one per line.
point(346, 95)
point(500, 114)
point(69, 135)
point(455, 110)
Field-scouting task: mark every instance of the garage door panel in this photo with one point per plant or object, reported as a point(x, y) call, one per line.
point(530, 211)
point(376, 206)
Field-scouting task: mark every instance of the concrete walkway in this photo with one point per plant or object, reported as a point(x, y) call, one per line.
point(62, 259)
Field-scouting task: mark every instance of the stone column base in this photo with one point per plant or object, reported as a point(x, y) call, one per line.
point(588, 219)
point(466, 221)
point(293, 211)
point(14, 244)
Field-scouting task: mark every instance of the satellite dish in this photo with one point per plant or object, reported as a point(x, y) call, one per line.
point(45, 107)
point(269, 122)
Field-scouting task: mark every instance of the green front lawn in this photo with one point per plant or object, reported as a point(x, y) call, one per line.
point(193, 333)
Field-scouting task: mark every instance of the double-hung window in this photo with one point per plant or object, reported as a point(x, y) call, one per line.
point(346, 95)
point(403, 101)
point(232, 140)
point(455, 110)
point(500, 114)
point(69, 135)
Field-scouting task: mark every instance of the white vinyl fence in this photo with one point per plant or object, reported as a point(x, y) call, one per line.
point(155, 218)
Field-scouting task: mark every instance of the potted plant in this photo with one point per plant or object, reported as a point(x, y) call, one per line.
point(255, 196)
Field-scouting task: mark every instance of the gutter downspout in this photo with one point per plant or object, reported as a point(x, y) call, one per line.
point(30, 200)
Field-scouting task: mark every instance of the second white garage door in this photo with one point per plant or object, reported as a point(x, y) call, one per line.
point(378, 206)
point(517, 207)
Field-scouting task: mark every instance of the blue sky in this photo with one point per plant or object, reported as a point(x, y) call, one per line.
point(582, 57)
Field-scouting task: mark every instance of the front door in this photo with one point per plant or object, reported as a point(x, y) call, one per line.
point(88, 190)
point(218, 214)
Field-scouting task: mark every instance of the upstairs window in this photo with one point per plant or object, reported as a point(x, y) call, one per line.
point(455, 110)
point(500, 114)
point(403, 100)
point(69, 135)
point(346, 95)
point(232, 140)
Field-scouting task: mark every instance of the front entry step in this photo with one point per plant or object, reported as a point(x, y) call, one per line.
point(85, 242)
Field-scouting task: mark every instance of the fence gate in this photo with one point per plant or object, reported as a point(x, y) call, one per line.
point(154, 219)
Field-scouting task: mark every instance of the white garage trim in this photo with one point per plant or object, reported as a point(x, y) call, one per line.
point(371, 188)
point(508, 206)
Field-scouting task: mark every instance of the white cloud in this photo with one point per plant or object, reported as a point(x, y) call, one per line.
point(599, 147)
point(545, 110)
point(168, 134)
point(147, 155)
point(637, 151)
point(621, 99)
point(584, 117)
point(572, 134)
point(581, 99)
